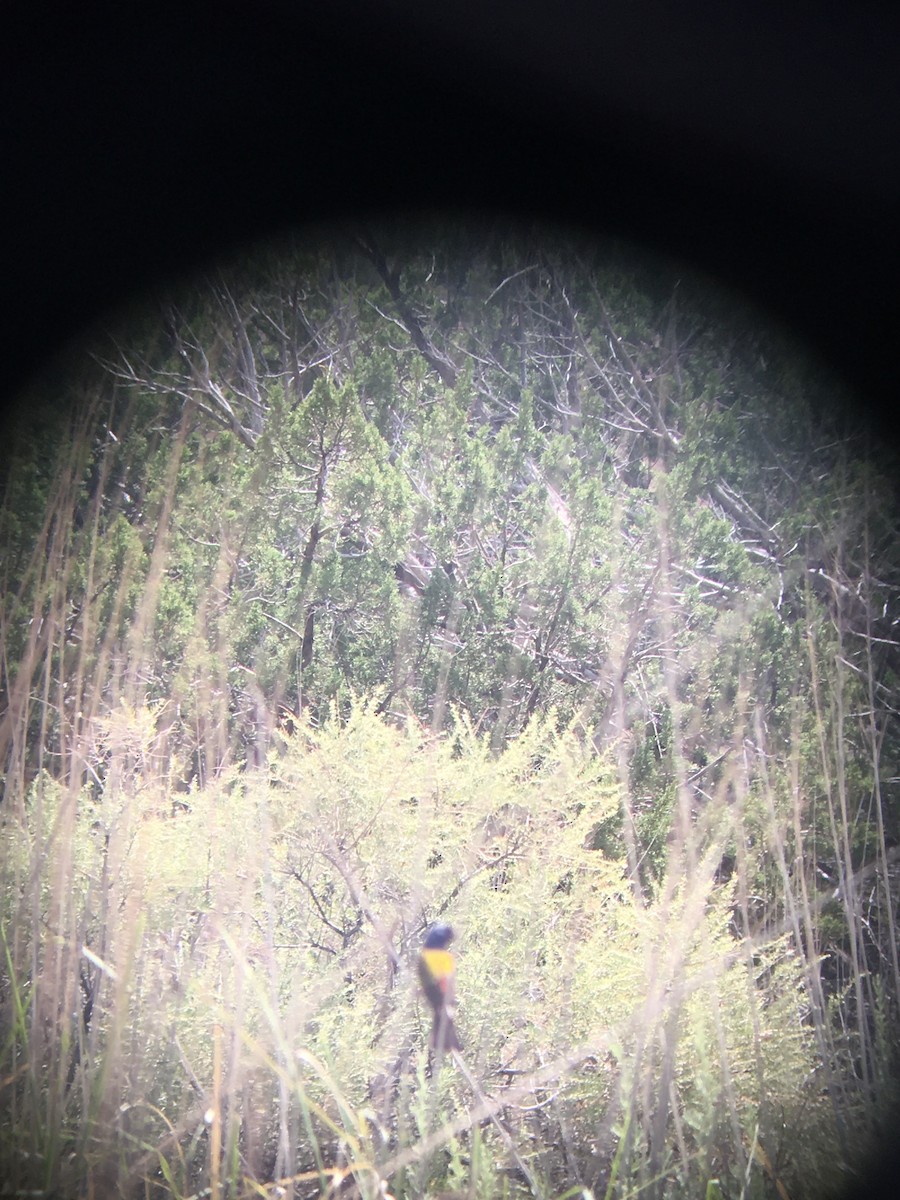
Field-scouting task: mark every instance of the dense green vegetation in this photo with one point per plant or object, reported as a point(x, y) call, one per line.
point(501, 579)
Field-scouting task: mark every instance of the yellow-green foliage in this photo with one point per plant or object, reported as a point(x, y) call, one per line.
point(285, 907)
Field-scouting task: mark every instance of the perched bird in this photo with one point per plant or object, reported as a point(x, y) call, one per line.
point(437, 972)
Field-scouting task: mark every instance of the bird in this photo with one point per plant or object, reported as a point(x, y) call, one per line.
point(437, 974)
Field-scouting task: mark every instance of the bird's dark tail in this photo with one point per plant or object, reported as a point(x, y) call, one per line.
point(444, 1037)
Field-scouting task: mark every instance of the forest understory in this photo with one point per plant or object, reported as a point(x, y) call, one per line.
point(451, 574)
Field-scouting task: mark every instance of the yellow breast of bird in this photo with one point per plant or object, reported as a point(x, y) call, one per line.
point(440, 964)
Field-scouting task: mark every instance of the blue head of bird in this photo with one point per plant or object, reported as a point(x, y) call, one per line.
point(439, 937)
